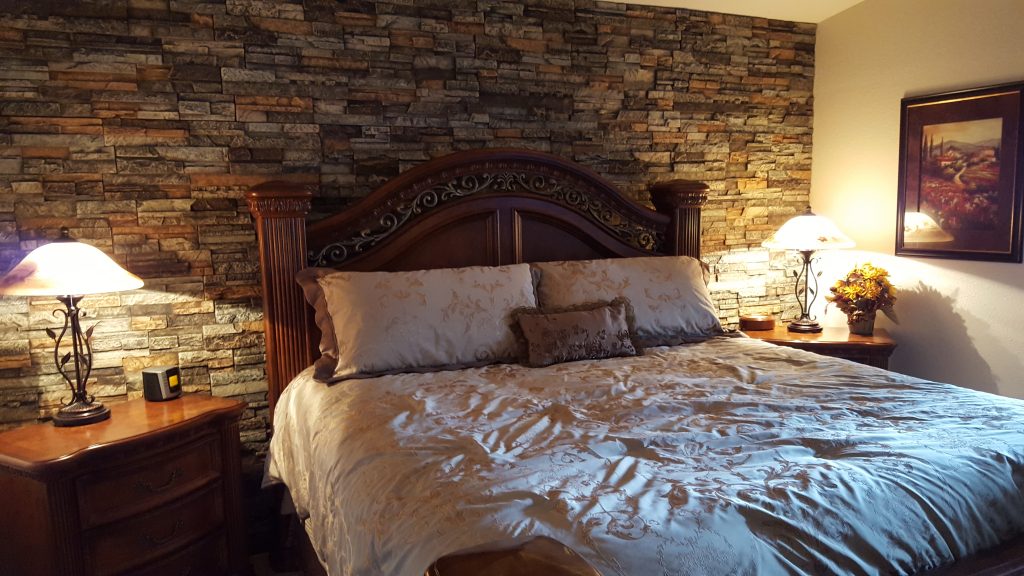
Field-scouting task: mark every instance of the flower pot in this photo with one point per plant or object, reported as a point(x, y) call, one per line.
point(863, 325)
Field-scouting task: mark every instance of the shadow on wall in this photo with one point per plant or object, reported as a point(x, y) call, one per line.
point(934, 343)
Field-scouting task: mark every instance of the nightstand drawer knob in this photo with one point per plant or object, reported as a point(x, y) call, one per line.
point(154, 541)
point(151, 489)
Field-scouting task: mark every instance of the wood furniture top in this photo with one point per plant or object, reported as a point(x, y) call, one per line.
point(834, 341)
point(474, 208)
point(43, 448)
point(828, 335)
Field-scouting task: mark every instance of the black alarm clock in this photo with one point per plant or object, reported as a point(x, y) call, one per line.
point(161, 383)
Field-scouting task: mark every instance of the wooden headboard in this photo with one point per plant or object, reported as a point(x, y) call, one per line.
point(482, 207)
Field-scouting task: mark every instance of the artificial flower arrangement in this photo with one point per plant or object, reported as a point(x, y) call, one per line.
point(865, 290)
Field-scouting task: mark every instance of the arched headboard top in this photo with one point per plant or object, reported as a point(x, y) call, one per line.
point(498, 172)
point(479, 207)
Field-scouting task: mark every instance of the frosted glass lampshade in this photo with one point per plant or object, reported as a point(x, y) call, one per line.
point(920, 227)
point(65, 268)
point(808, 232)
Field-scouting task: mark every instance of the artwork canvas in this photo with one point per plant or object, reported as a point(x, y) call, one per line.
point(959, 192)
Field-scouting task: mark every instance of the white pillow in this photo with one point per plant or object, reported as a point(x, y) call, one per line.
point(670, 300)
point(427, 320)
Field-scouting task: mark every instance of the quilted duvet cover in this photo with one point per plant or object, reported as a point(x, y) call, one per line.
point(730, 456)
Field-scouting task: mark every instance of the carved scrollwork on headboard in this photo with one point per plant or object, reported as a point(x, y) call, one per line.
point(499, 177)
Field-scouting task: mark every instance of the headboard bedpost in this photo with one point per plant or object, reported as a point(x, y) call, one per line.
point(681, 201)
point(280, 210)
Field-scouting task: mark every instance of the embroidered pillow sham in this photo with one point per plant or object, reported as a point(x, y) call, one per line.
point(375, 323)
point(670, 299)
point(585, 332)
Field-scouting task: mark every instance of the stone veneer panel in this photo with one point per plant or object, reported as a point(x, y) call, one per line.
point(140, 124)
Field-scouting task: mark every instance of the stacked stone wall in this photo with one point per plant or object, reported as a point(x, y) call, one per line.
point(139, 124)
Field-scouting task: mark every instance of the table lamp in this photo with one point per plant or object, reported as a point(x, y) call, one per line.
point(69, 270)
point(806, 234)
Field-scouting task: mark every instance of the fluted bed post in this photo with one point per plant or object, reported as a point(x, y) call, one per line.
point(280, 210)
point(681, 201)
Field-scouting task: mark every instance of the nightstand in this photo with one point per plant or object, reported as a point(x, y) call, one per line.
point(837, 342)
point(153, 490)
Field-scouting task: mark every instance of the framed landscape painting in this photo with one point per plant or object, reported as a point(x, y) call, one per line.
point(960, 188)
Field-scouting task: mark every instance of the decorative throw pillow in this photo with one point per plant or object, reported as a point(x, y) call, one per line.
point(668, 294)
point(585, 332)
point(376, 323)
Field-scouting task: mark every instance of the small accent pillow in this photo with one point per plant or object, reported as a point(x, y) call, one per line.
point(585, 332)
point(668, 294)
point(375, 323)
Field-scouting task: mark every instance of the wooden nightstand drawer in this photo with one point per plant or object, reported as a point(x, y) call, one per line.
point(117, 547)
point(203, 557)
point(148, 482)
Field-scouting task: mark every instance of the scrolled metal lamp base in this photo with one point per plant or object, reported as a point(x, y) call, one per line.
point(806, 323)
point(80, 413)
point(82, 408)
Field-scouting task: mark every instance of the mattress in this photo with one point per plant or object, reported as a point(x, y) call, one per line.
point(731, 456)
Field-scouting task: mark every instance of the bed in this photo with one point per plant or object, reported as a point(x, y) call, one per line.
point(712, 455)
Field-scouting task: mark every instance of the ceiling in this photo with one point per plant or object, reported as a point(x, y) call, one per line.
point(794, 10)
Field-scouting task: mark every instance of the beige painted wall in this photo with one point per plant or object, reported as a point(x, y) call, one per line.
point(961, 322)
